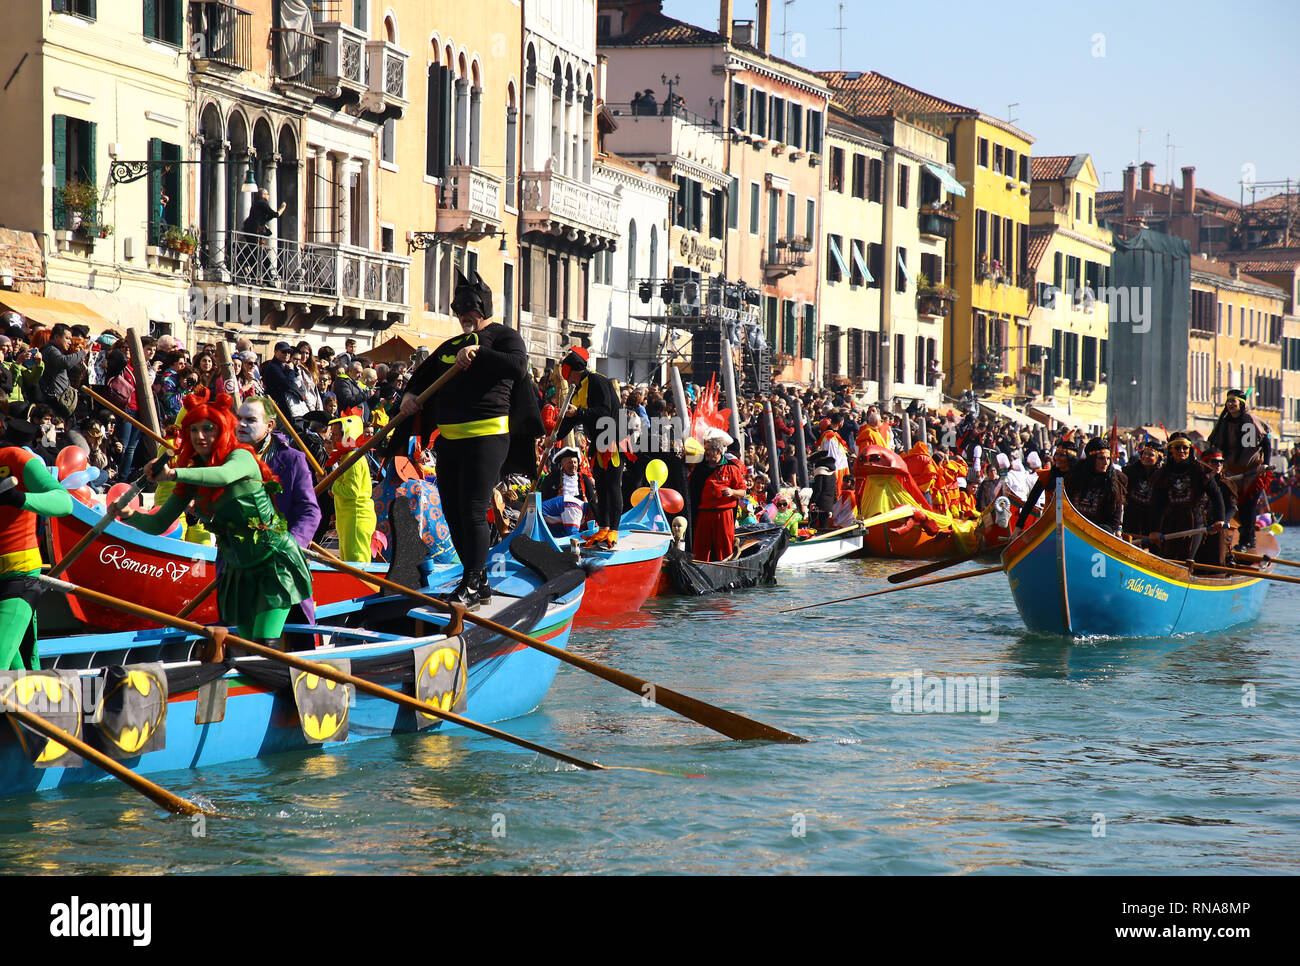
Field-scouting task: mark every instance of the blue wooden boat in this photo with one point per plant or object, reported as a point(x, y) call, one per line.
point(1068, 576)
point(250, 706)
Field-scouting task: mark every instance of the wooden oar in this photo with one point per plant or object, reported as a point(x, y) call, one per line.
point(891, 590)
point(110, 514)
point(315, 466)
point(379, 437)
point(830, 534)
point(924, 571)
point(720, 720)
point(889, 516)
point(155, 793)
point(320, 670)
point(1243, 573)
point(125, 415)
point(1258, 557)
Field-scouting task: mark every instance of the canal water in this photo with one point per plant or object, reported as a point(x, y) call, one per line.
point(943, 739)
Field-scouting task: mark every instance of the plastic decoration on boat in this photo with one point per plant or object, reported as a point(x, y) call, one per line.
point(706, 415)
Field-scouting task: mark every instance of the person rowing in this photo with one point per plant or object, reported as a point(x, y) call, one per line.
point(262, 572)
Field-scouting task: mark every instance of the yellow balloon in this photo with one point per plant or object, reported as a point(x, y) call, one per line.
point(656, 471)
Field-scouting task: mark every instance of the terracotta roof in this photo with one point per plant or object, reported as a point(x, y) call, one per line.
point(1224, 270)
point(657, 29)
point(1277, 202)
point(1038, 242)
point(869, 94)
point(1050, 167)
point(1109, 201)
point(1284, 260)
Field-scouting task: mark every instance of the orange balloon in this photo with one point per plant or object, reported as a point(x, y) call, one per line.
point(671, 499)
point(640, 494)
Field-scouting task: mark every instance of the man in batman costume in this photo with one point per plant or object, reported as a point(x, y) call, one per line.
point(476, 415)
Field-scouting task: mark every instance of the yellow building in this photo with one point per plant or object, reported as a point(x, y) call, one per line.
point(449, 166)
point(1236, 330)
point(1064, 376)
point(91, 85)
point(986, 340)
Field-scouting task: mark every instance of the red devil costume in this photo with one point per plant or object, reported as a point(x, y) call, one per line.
point(715, 506)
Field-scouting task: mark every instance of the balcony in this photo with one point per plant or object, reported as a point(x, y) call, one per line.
point(354, 277)
point(937, 221)
point(386, 93)
point(554, 203)
point(469, 202)
point(222, 36)
point(935, 302)
point(329, 63)
point(77, 229)
point(785, 257)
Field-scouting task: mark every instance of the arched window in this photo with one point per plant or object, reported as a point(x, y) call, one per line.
point(631, 252)
point(557, 116)
point(653, 270)
point(512, 137)
point(530, 108)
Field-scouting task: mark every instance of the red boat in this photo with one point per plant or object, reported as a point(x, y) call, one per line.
point(620, 580)
point(1285, 504)
point(159, 572)
point(884, 486)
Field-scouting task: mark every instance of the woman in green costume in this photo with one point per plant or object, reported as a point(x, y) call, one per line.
point(262, 572)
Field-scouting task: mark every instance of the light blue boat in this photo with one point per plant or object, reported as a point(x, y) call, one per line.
point(1070, 577)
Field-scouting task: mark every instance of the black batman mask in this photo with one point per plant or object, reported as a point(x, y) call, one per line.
point(472, 296)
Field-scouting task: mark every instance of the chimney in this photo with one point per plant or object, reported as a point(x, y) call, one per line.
point(1189, 190)
point(1130, 193)
point(724, 18)
point(1234, 270)
point(764, 39)
point(1147, 168)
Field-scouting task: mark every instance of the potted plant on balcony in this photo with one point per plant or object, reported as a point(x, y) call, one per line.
point(179, 240)
point(105, 231)
point(800, 244)
point(78, 198)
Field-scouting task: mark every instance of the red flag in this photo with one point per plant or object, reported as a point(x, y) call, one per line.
point(1114, 439)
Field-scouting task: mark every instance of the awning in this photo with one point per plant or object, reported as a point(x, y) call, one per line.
point(859, 261)
point(1047, 413)
point(401, 347)
point(953, 186)
point(902, 264)
point(1006, 412)
point(52, 311)
point(839, 257)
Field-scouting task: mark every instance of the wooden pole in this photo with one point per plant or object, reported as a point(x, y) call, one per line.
point(227, 364)
point(143, 390)
point(720, 720)
point(891, 590)
point(293, 433)
point(148, 433)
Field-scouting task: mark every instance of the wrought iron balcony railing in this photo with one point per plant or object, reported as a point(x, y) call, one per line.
point(221, 32)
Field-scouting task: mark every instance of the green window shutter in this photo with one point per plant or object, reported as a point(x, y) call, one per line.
point(151, 19)
point(177, 23)
point(59, 6)
point(153, 216)
point(175, 211)
point(59, 144)
point(90, 9)
point(810, 332)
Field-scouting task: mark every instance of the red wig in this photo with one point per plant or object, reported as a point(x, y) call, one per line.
point(199, 407)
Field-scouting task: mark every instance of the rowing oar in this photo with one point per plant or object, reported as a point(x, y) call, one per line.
point(155, 793)
point(110, 514)
point(383, 434)
point(1175, 536)
point(1244, 573)
point(720, 720)
point(924, 571)
point(1258, 557)
point(835, 533)
point(127, 416)
point(315, 466)
point(891, 590)
point(320, 670)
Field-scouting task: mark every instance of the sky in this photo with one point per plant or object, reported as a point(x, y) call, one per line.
point(1219, 82)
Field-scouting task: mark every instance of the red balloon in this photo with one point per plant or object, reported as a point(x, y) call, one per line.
point(671, 499)
point(84, 494)
point(71, 459)
point(116, 490)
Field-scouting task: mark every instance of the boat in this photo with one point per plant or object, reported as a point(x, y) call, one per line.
point(1070, 577)
point(821, 548)
point(619, 581)
point(883, 484)
point(754, 565)
point(107, 688)
point(1285, 504)
point(162, 573)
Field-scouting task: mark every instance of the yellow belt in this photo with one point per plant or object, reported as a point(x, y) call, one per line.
point(492, 426)
point(20, 561)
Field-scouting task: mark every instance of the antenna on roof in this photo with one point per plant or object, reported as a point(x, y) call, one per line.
point(1010, 112)
point(841, 28)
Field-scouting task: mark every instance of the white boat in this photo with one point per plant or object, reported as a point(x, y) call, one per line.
point(822, 547)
